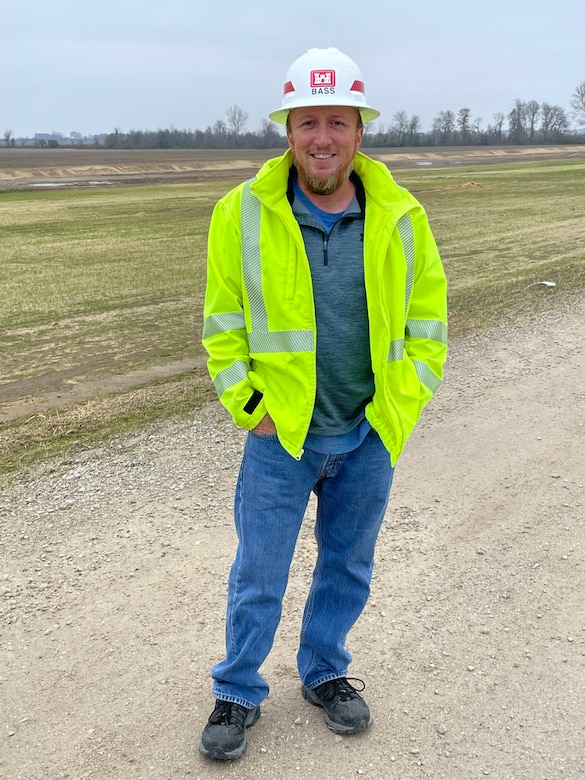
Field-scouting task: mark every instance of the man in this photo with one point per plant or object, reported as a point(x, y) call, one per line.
point(325, 322)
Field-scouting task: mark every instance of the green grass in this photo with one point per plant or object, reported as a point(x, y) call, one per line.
point(94, 283)
point(500, 228)
point(70, 253)
point(98, 280)
point(103, 281)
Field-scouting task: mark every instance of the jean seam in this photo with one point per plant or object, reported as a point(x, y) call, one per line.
point(317, 578)
point(234, 699)
point(236, 580)
point(326, 678)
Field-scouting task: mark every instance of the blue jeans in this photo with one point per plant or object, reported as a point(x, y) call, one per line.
point(271, 497)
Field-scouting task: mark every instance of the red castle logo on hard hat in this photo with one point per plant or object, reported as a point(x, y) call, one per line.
point(322, 78)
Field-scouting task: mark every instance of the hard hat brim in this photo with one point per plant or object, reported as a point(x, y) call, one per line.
point(367, 113)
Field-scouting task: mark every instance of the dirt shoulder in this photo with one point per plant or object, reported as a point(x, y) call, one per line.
point(113, 571)
point(39, 394)
point(35, 168)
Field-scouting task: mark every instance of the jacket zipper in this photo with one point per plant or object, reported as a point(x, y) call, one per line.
point(325, 245)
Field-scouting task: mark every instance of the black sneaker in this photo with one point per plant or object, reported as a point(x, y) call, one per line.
point(345, 710)
point(224, 736)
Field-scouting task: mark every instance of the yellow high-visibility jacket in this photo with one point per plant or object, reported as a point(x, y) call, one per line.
point(259, 327)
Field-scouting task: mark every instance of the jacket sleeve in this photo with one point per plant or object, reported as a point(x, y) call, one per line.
point(426, 317)
point(224, 329)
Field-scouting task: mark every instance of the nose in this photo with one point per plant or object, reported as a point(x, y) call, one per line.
point(322, 134)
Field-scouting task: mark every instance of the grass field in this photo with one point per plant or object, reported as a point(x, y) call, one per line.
point(108, 278)
point(104, 281)
point(501, 228)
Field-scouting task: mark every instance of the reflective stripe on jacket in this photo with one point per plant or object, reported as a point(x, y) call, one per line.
point(259, 327)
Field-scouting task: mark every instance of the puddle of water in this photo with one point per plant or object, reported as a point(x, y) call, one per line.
point(69, 183)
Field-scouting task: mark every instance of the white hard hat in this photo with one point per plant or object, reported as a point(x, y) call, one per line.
point(324, 77)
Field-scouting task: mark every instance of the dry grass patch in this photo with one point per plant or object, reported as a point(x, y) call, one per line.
point(99, 282)
point(518, 224)
point(62, 431)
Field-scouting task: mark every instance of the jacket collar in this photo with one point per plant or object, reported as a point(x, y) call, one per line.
point(376, 185)
point(354, 178)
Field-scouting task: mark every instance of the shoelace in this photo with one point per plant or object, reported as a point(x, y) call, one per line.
point(341, 687)
point(226, 713)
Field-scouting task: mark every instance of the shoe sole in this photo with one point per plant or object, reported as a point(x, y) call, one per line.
point(217, 753)
point(338, 728)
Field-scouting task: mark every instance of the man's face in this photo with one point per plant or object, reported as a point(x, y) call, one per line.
point(324, 141)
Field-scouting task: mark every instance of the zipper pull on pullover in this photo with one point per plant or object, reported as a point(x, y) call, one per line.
point(325, 245)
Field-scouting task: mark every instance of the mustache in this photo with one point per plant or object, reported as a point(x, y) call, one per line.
point(322, 185)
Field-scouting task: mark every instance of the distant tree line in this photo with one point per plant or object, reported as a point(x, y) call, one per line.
point(527, 122)
point(221, 135)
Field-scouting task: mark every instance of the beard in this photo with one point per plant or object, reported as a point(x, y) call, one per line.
point(322, 185)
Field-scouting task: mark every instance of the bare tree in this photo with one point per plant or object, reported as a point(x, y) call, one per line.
point(546, 122)
point(554, 123)
point(444, 128)
point(532, 111)
point(517, 122)
point(237, 119)
point(399, 127)
point(464, 125)
point(7, 136)
point(496, 130)
point(578, 103)
point(414, 126)
point(219, 129)
point(271, 138)
point(476, 130)
point(560, 122)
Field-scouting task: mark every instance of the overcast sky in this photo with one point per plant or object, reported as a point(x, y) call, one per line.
point(69, 66)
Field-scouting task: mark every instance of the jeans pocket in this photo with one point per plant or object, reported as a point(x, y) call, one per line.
point(267, 436)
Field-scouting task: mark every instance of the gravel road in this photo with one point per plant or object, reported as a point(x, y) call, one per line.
point(113, 569)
